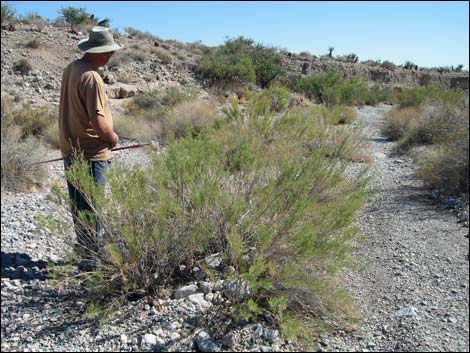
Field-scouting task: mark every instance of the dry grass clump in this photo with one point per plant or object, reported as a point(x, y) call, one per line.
point(23, 129)
point(438, 119)
point(16, 157)
point(138, 128)
point(190, 117)
point(24, 66)
point(399, 121)
point(165, 57)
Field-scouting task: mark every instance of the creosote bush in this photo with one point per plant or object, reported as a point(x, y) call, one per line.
point(240, 60)
point(265, 191)
point(331, 88)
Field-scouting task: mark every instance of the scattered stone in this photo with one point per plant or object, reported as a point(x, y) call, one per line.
point(204, 342)
point(186, 291)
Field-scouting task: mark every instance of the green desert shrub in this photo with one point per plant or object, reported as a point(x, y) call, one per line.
point(265, 192)
point(332, 88)
point(241, 60)
point(431, 94)
point(77, 16)
point(270, 100)
point(377, 94)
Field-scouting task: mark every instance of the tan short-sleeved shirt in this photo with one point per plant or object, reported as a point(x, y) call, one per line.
point(82, 96)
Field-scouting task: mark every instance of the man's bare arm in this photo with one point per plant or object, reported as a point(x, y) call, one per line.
point(104, 130)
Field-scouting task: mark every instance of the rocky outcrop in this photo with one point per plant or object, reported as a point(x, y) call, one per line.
point(377, 74)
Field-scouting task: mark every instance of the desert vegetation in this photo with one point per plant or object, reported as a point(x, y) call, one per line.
point(255, 174)
point(266, 192)
point(23, 128)
point(437, 119)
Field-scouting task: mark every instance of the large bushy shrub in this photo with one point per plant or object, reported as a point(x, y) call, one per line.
point(332, 88)
point(242, 61)
point(266, 191)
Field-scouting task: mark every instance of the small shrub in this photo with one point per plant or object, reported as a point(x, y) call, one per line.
point(135, 33)
point(399, 121)
point(8, 13)
point(34, 43)
point(163, 55)
point(51, 134)
point(388, 65)
point(332, 89)
point(119, 58)
point(190, 117)
point(152, 109)
point(410, 66)
point(443, 126)
point(17, 156)
point(377, 94)
point(418, 96)
point(138, 128)
point(24, 66)
point(138, 55)
point(446, 167)
point(30, 121)
point(33, 17)
point(78, 17)
point(273, 99)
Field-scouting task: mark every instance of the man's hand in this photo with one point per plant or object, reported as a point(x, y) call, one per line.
point(115, 140)
point(104, 130)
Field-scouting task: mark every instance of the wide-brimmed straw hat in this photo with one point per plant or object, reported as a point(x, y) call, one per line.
point(100, 40)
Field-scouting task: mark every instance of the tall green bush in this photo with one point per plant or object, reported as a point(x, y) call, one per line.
point(332, 88)
point(266, 191)
point(240, 60)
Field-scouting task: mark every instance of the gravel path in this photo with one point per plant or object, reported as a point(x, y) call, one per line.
point(412, 288)
point(413, 285)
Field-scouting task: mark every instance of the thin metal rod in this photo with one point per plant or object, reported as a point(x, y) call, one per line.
point(112, 150)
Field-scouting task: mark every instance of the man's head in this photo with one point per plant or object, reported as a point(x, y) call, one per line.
point(100, 40)
point(99, 46)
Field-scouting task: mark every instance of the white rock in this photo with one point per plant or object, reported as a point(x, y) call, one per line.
point(124, 339)
point(199, 301)
point(149, 339)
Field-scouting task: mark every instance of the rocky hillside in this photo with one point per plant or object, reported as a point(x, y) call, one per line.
point(33, 57)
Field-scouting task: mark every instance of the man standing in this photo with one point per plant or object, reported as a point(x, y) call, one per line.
point(86, 126)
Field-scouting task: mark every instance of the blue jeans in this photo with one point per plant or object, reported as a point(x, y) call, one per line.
point(88, 240)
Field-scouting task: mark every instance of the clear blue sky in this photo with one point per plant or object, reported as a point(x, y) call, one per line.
point(430, 33)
